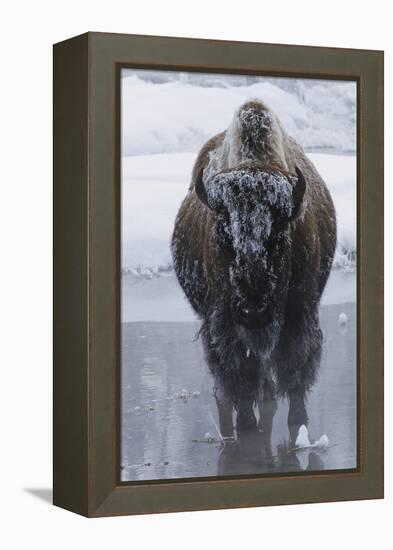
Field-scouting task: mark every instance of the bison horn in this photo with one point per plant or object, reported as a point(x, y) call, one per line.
point(298, 191)
point(200, 189)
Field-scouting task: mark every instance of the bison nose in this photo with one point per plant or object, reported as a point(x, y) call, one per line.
point(253, 316)
point(252, 309)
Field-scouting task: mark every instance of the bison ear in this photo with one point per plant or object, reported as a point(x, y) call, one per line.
point(199, 187)
point(299, 188)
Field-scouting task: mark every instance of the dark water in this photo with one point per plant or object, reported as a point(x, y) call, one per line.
point(169, 418)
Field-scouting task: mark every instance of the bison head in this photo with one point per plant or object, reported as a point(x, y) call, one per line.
point(253, 204)
point(253, 210)
point(254, 199)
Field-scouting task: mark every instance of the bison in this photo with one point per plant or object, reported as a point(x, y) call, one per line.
point(253, 245)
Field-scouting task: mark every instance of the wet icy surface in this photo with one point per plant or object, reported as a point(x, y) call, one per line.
point(169, 418)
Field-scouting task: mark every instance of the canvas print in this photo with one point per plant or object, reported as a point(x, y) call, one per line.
point(238, 275)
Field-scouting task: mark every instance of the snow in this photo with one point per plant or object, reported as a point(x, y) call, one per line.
point(322, 443)
point(303, 440)
point(153, 187)
point(339, 173)
point(256, 193)
point(181, 113)
point(342, 319)
point(225, 188)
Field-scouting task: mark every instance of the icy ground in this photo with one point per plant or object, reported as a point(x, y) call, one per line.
point(169, 418)
point(153, 187)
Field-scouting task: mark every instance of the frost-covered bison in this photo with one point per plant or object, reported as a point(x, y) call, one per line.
point(253, 246)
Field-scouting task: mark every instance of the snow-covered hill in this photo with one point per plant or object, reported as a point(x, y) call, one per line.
point(171, 112)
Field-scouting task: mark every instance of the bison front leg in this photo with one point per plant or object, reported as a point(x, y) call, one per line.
point(225, 410)
point(222, 394)
point(267, 405)
point(235, 371)
point(299, 357)
point(247, 382)
point(226, 403)
point(245, 419)
point(297, 415)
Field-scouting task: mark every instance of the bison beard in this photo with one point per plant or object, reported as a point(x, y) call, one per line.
point(253, 245)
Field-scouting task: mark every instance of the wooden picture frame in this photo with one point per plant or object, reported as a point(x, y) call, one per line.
point(87, 271)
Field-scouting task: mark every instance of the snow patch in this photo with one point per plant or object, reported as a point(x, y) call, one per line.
point(322, 443)
point(303, 440)
point(342, 319)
